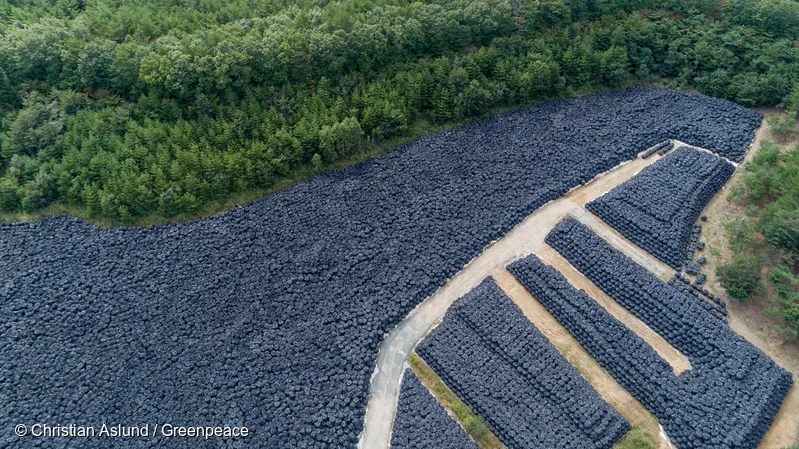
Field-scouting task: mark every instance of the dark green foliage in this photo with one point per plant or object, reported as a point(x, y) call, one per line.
point(783, 125)
point(780, 227)
point(740, 277)
point(146, 106)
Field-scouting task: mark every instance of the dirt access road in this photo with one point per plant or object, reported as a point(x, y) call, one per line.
point(607, 387)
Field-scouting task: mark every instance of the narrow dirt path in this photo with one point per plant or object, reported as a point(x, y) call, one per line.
point(519, 242)
point(607, 387)
point(679, 363)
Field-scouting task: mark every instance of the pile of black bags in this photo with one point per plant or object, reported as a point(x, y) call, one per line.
point(270, 315)
point(712, 303)
point(657, 148)
point(421, 422)
point(656, 208)
point(498, 362)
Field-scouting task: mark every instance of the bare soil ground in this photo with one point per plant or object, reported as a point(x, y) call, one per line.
point(520, 241)
point(747, 318)
point(567, 345)
point(621, 243)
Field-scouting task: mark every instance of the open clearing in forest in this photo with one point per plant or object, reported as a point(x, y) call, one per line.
point(288, 301)
point(522, 240)
point(527, 238)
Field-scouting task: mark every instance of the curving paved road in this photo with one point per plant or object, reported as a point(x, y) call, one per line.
point(522, 240)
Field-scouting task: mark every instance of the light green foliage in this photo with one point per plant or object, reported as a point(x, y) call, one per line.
point(786, 285)
point(140, 107)
point(780, 227)
point(791, 101)
point(340, 139)
point(740, 277)
point(783, 125)
point(771, 186)
point(760, 173)
point(740, 233)
point(636, 439)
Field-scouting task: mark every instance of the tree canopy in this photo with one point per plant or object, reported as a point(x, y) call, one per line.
point(129, 108)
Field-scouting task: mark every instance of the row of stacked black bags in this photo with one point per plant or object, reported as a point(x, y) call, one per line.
point(656, 208)
point(422, 423)
point(498, 362)
point(733, 391)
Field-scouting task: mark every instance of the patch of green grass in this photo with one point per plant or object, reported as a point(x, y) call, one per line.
point(636, 438)
point(473, 424)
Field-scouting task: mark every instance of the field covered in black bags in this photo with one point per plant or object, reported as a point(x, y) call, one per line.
point(270, 315)
point(421, 422)
point(656, 208)
point(730, 396)
point(501, 365)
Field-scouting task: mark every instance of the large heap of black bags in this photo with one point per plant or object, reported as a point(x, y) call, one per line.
point(270, 315)
point(498, 362)
point(421, 422)
point(656, 208)
point(733, 391)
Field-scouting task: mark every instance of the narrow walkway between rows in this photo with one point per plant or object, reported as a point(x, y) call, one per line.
point(607, 387)
point(621, 243)
point(679, 363)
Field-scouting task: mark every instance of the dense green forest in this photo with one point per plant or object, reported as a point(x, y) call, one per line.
point(133, 109)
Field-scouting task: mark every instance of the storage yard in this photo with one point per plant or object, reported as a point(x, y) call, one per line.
point(492, 356)
point(272, 315)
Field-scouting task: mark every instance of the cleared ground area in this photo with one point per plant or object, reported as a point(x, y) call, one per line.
point(747, 319)
point(679, 363)
point(607, 387)
point(494, 358)
point(731, 396)
point(564, 342)
point(522, 240)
